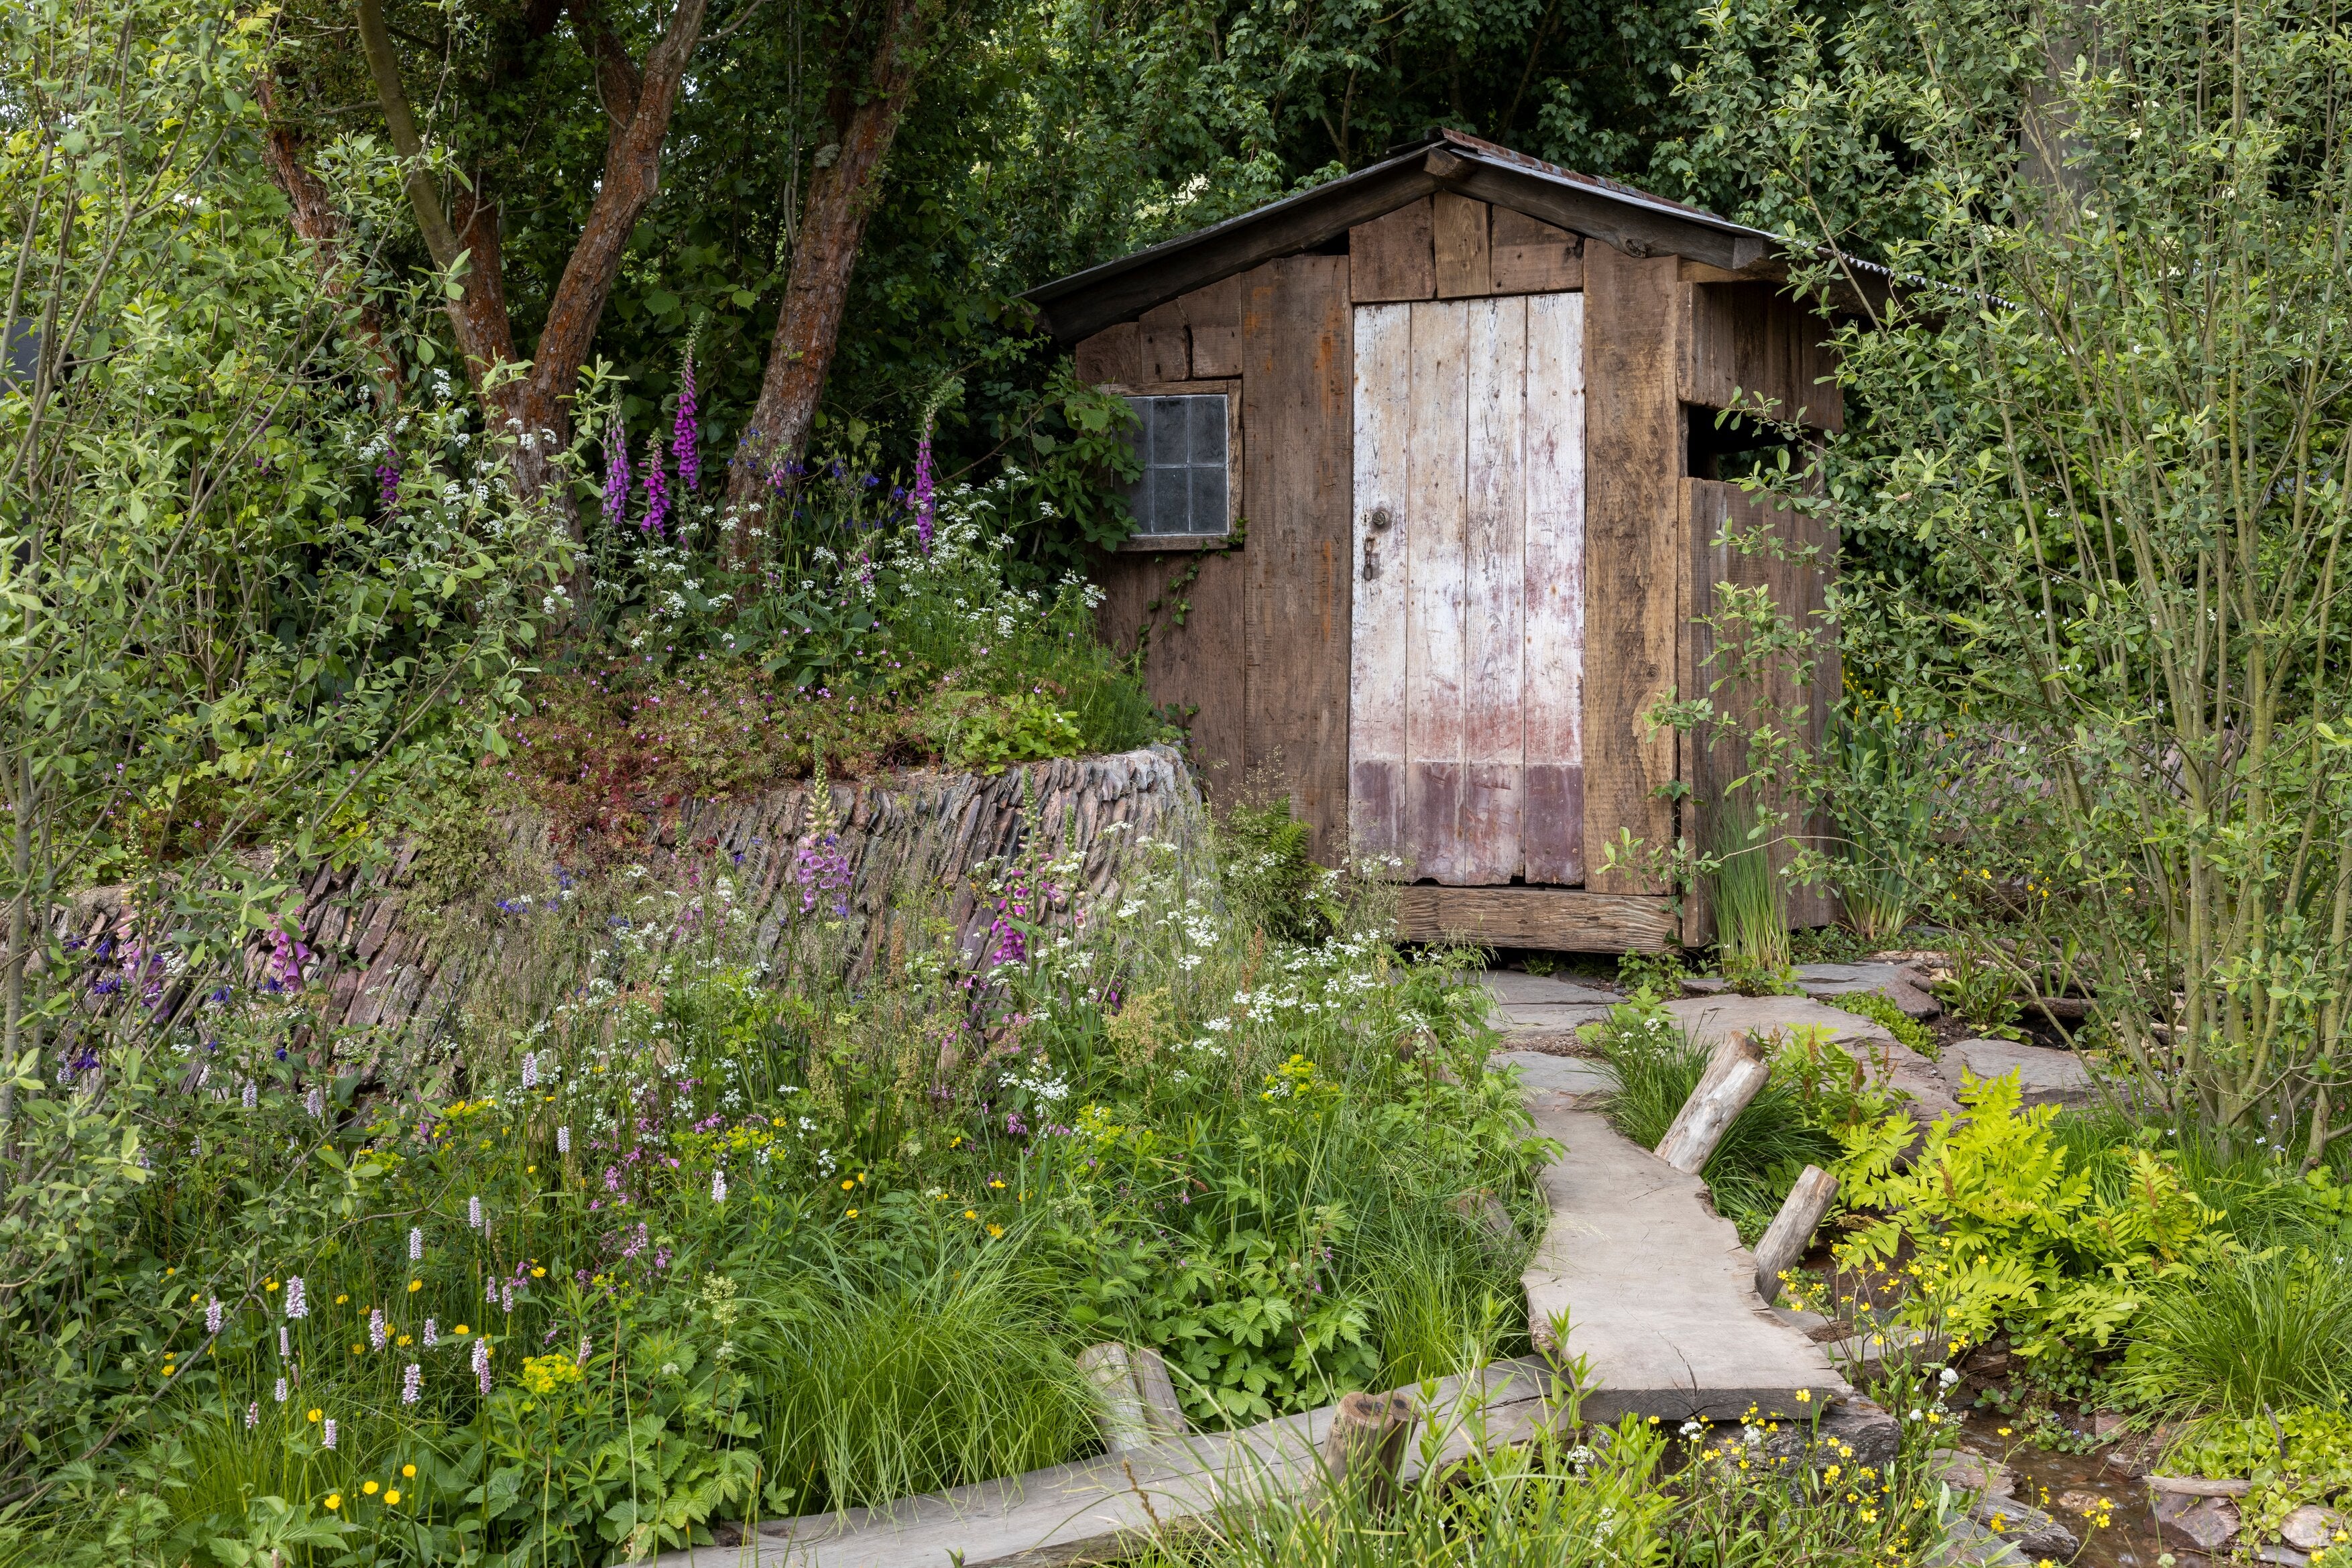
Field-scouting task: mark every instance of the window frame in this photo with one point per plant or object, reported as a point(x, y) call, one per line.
point(1230, 388)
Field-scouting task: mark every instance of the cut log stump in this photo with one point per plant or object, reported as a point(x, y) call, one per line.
point(1734, 1075)
point(1366, 1444)
point(1792, 1228)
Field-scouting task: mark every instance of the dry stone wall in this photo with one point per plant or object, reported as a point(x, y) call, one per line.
point(414, 973)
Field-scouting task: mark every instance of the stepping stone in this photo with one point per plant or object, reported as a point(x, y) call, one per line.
point(1708, 1019)
point(2047, 1077)
point(1659, 1295)
point(1545, 1012)
point(1558, 1082)
point(1905, 985)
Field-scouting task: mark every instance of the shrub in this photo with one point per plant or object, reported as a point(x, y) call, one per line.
point(2004, 1228)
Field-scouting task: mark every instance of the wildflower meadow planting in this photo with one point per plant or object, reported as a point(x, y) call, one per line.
point(905, 784)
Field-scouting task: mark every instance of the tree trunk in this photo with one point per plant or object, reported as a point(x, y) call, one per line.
point(536, 407)
point(841, 198)
point(317, 221)
point(1733, 1076)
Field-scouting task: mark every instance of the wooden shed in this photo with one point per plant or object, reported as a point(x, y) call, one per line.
point(1428, 506)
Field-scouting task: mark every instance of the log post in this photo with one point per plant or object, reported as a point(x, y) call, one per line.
point(1733, 1076)
point(1138, 1402)
point(1791, 1230)
point(1366, 1444)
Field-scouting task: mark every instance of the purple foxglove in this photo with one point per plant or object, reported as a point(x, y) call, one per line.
point(925, 490)
point(656, 490)
point(681, 446)
point(616, 469)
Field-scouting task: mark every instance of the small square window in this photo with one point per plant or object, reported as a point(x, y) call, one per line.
point(1184, 485)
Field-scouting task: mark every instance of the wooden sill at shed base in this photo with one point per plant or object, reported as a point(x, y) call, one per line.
point(1560, 919)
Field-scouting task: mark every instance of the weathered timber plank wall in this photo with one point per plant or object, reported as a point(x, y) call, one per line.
point(1634, 561)
point(1261, 654)
point(1298, 381)
point(1800, 590)
point(1746, 342)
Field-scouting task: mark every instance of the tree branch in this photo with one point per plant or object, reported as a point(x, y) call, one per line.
point(392, 97)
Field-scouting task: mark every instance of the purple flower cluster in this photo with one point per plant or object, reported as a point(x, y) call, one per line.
point(282, 970)
point(925, 490)
point(387, 482)
point(616, 469)
point(821, 865)
point(656, 489)
point(682, 438)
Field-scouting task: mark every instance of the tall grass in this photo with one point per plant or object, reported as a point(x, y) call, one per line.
point(1763, 1151)
point(2271, 1333)
point(1751, 916)
point(892, 1380)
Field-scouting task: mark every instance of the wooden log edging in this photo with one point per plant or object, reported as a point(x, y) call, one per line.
point(1734, 1076)
point(1100, 1510)
point(1791, 1230)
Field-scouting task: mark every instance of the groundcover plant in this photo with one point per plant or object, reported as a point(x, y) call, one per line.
point(714, 1242)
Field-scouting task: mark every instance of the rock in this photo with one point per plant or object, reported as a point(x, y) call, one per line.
point(1861, 1432)
point(2045, 1077)
point(2201, 1523)
point(2032, 1532)
point(2311, 1527)
point(2200, 1486)
point(1973, 1473)
point(1967, 1542)
point(2106, 1423)
point(1567, 1081)
point(1905, 985)
point(2087, 1503)
point(2283, 1556)
point(1512, 988)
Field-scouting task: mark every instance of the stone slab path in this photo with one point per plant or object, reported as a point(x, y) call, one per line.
point(1903, 983)
point(1659, 1296)
point(1543, 1012)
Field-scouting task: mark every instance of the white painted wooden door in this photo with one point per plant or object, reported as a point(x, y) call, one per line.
point(1465, 751)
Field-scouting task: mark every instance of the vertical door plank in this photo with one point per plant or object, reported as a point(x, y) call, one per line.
point(1493, 737)
point(1458, 238)
point(1389, 257)
point(1437, 427)
point(1296, 394)
point(1376, 650)
point(1552, 831)
point(1634, 527)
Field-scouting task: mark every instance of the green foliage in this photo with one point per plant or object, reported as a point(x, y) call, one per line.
point(2097, 551)
point(1792, 1121)
point(2268, 1331)
point(744, 1247)
point(1271, 876)
point(2293, 1456)
point(1907, 1030)
point(1883, 777)
point(2002, 1230)
point(1658, 976)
